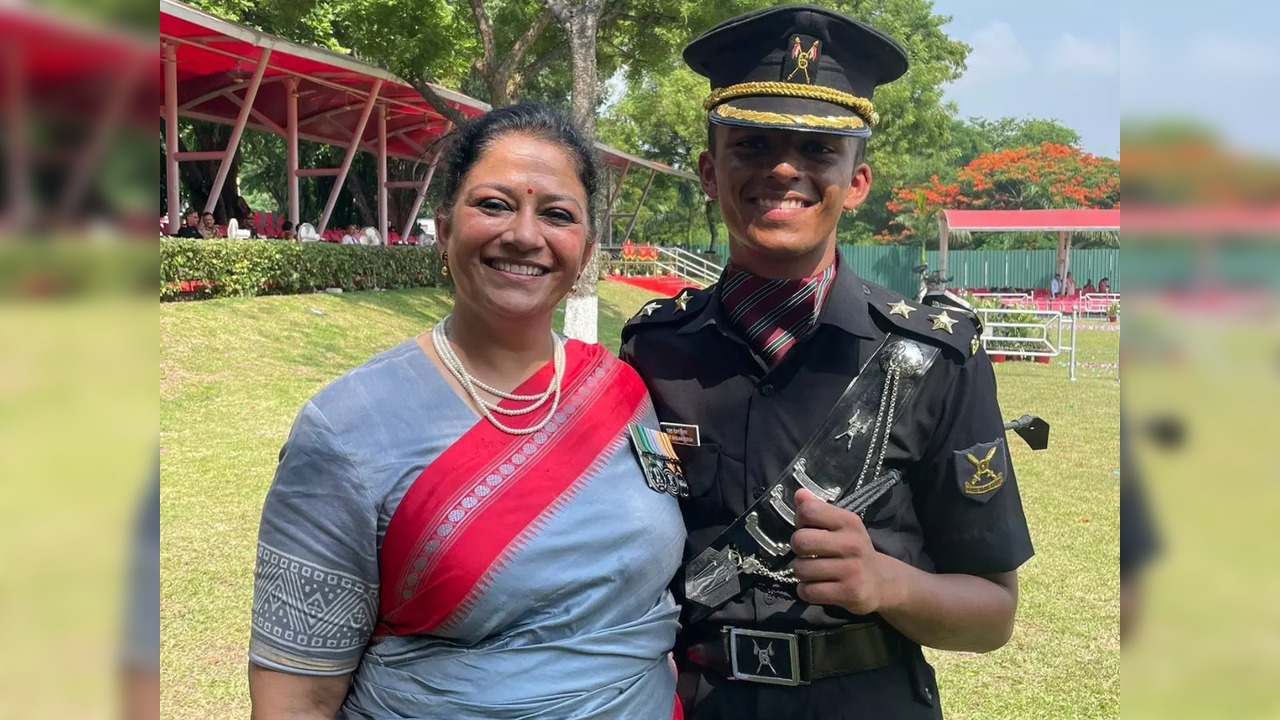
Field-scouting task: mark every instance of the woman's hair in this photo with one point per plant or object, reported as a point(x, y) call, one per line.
point(472, 140)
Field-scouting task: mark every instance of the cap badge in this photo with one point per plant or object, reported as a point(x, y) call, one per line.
point(800, 59)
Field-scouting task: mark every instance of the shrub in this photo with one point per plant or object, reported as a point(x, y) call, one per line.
point(226, 268)
point(1005, 337)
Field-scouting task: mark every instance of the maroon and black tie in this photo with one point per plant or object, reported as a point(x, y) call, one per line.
point(773, 314)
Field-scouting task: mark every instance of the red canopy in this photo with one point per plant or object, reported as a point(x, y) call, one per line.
point(216, 59)
point(1058, 220)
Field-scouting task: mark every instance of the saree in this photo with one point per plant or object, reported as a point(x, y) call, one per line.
point(464, 572)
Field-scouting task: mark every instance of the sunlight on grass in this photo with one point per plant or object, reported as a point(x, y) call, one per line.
point(234, 372)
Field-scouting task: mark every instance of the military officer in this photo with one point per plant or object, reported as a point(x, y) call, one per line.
point(743, 373)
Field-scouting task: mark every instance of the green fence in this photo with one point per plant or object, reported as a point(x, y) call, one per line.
point(890, 266)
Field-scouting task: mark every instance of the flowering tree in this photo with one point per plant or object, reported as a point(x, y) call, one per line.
point(1044, 176)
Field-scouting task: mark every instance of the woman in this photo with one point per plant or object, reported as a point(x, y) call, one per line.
point(457, 528)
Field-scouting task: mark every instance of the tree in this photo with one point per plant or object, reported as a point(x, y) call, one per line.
point(580, 19)
point(1045, 176)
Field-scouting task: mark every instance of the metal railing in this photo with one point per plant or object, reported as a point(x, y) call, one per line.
point(1040, 341)
point(688, 265)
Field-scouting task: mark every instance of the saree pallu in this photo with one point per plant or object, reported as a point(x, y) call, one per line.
point(524, 576)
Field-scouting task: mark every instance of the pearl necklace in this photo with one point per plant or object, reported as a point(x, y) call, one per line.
point(440, 339)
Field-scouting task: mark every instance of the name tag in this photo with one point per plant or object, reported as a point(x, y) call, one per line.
point(682, 434)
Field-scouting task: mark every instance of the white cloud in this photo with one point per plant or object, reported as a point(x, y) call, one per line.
point(997, 55)
point(1075, 54)
point(1232, 57)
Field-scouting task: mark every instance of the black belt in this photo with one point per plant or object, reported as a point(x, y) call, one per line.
point(796, 658)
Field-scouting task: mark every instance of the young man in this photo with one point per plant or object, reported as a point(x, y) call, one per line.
point(791, 372)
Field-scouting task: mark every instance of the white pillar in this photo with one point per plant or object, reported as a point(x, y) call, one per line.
point(382, 173)
point(422, 195)
point(242, 119)
point(944, 232)
point(172, 180)
point(352, 149)
point(291, 138)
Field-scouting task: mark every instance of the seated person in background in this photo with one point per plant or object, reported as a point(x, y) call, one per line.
point(1069, 286)
point(286, 231)
point(191, 227)
point(353, 233)
point(209, 227)
point(1104, 286)
point(1088, 287)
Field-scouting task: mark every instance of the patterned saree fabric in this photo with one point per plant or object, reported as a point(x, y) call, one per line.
point(460, 572)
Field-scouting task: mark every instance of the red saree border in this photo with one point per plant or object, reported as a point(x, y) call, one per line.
point(483, 497)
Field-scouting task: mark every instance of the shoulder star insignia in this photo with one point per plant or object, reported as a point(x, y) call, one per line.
point(901, 308)
point(943, 321)
point(647, 310)
point(682, 302)
point(973, 345)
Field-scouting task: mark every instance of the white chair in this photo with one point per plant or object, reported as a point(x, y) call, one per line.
point(235, 233)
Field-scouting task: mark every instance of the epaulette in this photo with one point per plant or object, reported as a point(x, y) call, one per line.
point(663, 311)
point(954, 327)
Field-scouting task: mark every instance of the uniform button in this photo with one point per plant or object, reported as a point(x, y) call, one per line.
point(766, 390)
point(768, 600)
point(866, 290)
point(928, 694)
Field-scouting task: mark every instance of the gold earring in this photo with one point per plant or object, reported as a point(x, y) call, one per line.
point(444, 257)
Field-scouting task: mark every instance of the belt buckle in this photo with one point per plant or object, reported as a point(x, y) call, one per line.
point(761, 651)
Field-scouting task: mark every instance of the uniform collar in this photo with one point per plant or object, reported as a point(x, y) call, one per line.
point(846, 308)
point(848, 304)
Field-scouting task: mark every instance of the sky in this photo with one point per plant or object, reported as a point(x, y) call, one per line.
point(1090, 63)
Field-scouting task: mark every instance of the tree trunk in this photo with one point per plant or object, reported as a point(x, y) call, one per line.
point(580, 21)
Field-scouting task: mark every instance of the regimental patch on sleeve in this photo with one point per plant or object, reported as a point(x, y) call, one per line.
point(981, 469)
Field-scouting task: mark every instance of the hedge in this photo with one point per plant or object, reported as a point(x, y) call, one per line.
point(224, 268)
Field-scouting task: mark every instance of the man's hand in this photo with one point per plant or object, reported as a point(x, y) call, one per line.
point(835, 561)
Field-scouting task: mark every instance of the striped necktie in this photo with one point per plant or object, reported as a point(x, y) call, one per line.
point(773, 314)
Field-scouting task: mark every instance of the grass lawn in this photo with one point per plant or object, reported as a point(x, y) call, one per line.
point(234, 372)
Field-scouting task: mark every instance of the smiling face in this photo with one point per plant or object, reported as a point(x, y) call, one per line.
point(517, 234)
point(782, 194)
point(207, 220)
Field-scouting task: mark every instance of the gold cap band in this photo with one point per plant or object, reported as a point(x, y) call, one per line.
point(837, 122)
point(860, 105)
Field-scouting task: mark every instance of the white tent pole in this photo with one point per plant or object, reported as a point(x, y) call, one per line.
point(382, 173)
point(350, 155)
point(172, 184)
point(422, 194)
point(291, 138)
point(242, 119)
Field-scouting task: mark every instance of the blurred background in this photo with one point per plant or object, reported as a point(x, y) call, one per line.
point(79, 521)
point(1201, 353)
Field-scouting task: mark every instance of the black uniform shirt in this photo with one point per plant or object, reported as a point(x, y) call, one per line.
point(753, 419)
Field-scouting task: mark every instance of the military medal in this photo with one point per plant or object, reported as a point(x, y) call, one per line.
point(662, 471)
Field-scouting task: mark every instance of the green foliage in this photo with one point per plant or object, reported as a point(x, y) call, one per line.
point(263, 267)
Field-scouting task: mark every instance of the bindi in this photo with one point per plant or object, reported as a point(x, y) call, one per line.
point(529, 190)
